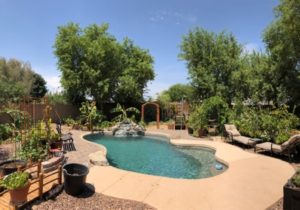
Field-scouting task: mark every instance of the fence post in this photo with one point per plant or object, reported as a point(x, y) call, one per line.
point(39, 167)
point(41, 182)
point(60, 174)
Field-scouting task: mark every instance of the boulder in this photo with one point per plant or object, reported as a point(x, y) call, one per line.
point(128, 128)
point(98, 159)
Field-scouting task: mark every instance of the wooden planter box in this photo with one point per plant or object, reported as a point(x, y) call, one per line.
point(171, 126)
point(291, 197)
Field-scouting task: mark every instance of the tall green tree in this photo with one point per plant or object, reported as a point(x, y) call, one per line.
point(38, 87)
point(283, 43)
point(211, 60)
point(17, 79)
point(137, 70)
point(94, 64)
point(254, 80)
point(176, 93)
point(88, 60)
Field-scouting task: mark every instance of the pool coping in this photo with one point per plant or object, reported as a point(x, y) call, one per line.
point(103, 149)
point(248, 183)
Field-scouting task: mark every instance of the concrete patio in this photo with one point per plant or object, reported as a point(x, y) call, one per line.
point(252, 181)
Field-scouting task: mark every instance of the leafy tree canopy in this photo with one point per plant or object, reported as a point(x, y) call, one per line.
point(283, 44)
point(211, 60)
point(18, 79)
point(38, 88)
point(94, 64)
point(176, 93)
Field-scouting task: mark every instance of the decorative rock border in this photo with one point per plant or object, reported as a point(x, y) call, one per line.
point(98, 158)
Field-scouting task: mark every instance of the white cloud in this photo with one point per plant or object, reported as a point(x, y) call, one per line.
point(53, 83)
point(250, 47)
point(155, 88)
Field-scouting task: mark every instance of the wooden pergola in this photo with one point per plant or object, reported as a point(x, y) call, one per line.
point(157, 112)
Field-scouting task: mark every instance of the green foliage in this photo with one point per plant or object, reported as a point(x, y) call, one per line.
point(214, 108)
point(35, 144)
point(32, 149)
point(16, 80)
point(211, 60)
point(94, 64)
point(5, 131)
point(270, 125)
point(283, 44)
point(89, 114)
point(18, 117)
point(38, 87)
point(176, 93)
point(296, 179)
point(137, 70)
point(123, 112)
point(254, 81)
point(15, 180)
point(105, 124)
point(164, 99)
point(57, 98)
point(142, 124)
point(69, 121)
point(10, 92)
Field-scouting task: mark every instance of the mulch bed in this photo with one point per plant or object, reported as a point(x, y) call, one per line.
point(88, 200)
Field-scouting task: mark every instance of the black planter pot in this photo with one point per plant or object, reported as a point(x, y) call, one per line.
point(74, 178)
point(190, 130)
point(202, 132)
point(10, 166)
point(291, 197)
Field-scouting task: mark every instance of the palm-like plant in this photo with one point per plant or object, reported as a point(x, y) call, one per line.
point(123, 112)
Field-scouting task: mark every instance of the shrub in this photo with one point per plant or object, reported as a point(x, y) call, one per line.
point(15, 180)
point(89, 114)
point(69, 121)
point(5, 131)
point(296, 179)
point(270, 125)
point(212, 108)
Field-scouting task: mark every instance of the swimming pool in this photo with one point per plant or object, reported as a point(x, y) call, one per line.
point(156, 156)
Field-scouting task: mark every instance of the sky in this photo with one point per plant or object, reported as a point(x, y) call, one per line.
point(29, 29)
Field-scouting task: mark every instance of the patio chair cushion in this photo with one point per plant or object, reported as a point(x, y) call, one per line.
point(268, 146)
point(232, 130)
point(292, 139)
point(244, 140)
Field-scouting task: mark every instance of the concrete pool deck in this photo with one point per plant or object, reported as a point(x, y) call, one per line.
point(252, 181)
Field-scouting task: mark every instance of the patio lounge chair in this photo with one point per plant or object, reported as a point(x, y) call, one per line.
point(64, 137)
point(287, 148)
point(234, 135)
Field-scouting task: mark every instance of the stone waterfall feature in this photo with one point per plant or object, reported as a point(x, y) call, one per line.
point(128, 128)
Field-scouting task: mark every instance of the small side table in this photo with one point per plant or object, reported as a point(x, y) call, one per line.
point(256, 141)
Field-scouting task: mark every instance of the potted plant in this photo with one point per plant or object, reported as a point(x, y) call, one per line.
point(198, 121)
point(18, 185)
point(291, 191)
point(171, 124)
point(55, 141)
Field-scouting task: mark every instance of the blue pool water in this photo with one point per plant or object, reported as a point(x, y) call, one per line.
point(153, 155)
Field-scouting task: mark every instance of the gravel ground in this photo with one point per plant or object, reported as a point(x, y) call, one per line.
point(277, 206)
point(88, 200)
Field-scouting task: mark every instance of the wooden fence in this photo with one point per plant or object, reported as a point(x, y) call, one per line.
point(40, 184)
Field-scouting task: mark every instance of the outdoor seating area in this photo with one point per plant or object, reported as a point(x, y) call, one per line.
point(139, 105)
point(234, 135)
point(288, 148)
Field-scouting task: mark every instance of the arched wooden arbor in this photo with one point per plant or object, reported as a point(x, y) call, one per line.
point(157, 112)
